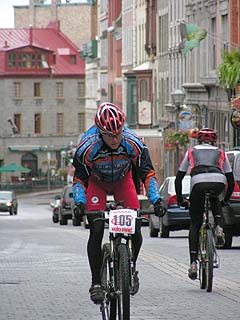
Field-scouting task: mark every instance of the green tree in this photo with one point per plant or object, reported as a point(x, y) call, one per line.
point(229, 71)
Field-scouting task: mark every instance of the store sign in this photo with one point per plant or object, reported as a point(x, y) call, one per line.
point(144, 113)
point(185, 120)
point(235, 119)
point(235, 103)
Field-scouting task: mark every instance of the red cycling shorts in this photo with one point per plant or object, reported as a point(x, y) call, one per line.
point(122, 190)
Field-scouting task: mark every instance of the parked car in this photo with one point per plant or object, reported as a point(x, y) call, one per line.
point(65, 208)
point(8, 202)
point(176, 218)
point(231, 214)
point(56, 208)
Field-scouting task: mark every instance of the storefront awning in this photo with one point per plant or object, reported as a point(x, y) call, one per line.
point(32, 148)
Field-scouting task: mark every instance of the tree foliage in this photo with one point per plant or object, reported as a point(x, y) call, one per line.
point(229, 70)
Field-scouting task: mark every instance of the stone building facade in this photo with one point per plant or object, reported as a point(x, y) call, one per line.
point(77, 20)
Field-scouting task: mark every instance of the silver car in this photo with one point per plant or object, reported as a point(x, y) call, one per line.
point(8, 202)
point(176, 218)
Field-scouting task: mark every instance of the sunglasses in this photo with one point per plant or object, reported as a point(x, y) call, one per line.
point(112, 136)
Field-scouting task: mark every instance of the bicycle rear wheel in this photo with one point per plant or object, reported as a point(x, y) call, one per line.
point(108, 307)
point(210, 258)
point(202, 274)
point(123, 283)
point(202, 259)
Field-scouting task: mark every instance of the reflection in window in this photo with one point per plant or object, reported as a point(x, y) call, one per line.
point(37, 89)
point(59, 88)
point(27, 60)
point(37, 123)
point(17, 89)
point(59, 123)
point(143, 93)
point(17, 121)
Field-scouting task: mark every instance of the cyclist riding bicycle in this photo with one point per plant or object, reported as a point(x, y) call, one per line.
point(103, 165)
point(209, 170)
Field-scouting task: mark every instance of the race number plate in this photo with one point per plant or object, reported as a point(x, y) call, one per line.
point(122, 221)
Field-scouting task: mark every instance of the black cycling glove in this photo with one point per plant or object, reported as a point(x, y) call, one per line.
point(158, 209)
point(184, 203)
point(79, 209)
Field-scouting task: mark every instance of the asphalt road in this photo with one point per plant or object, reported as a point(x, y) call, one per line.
point(44, 273)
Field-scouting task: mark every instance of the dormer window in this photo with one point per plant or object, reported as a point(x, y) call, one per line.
point(25, 60)
point(73, 59)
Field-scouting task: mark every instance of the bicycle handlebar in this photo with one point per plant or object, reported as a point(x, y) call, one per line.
point(140, 212)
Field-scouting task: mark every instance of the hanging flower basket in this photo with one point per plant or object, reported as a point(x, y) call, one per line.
point(169, 146)
point(174, 138)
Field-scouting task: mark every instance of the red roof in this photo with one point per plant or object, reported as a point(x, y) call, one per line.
point(49, 39)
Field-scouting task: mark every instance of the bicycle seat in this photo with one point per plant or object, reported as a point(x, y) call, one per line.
point(210, 192)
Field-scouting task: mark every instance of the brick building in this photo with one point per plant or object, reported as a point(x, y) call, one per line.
point(42, 91)
point(77, 20)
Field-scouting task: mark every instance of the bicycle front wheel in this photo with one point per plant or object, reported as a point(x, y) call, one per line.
point(108, 307)
point(123, 283)
point(209, 259)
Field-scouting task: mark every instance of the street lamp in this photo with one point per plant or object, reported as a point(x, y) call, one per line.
point(177, 99)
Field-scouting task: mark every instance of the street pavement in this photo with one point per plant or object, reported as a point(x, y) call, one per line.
point(44, 273)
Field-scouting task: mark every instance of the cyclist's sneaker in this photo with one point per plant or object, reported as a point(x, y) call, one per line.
point(192, 271)
point(96, 293)
point(135, 286)
point(219, 237)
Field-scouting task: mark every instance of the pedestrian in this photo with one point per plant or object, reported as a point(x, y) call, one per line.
point(103, 163)
point(209, 169)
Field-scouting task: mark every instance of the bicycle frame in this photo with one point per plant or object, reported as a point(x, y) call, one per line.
point(117, 268)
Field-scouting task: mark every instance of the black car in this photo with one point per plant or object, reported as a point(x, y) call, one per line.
point(176, 218)
point(8, 202)
point(65, 207)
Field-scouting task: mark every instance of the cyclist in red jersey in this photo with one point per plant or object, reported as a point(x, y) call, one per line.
point(209, 169)
point(103, 165)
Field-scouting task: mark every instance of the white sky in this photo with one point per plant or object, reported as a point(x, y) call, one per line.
point(7, 12)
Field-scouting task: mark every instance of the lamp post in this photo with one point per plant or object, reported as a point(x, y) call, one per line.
point(177, 99)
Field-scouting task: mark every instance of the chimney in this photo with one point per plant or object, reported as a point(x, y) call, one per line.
point(30, 35)
point(32, 13)
point(54, 10)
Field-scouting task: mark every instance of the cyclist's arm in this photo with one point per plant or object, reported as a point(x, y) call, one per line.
point(231, 182)
point(80, 179)
point(179, 177)
point(148, 176)
point(178, 185)
point(230, 179)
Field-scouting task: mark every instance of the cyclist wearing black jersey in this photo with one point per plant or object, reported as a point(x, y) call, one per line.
point(209, 169)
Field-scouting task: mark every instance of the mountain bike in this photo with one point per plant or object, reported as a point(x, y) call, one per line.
point(117, 271)
point(207, 253)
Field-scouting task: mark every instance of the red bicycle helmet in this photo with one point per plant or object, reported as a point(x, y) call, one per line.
point(207, 134)
point(109, 118)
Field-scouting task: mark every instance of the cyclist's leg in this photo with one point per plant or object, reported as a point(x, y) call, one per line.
point(215, 202)
point(196, 215)
point(130, 200)
point(96, 200)
point(217, 213)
